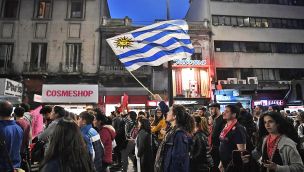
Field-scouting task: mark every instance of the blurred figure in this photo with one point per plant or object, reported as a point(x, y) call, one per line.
point(274, 108)
point(218, 125)
point(46, 112)
point(67, 151)
point(200, 158)
point(91, 138)
point(301, 128)
point(107, 135)
point(11, 136)
point(143, 149)
point(27, 136)
point(203, 112)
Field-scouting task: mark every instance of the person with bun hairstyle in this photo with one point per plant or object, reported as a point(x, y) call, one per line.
point(173, 152)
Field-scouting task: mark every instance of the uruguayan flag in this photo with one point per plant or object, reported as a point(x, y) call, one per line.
point(153, 45)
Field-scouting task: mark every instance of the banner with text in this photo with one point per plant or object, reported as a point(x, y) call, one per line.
point(54, 93)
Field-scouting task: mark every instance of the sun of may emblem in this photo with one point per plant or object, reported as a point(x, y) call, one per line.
point(123, 42)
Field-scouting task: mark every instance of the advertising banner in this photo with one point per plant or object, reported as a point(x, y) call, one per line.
point(53, 93)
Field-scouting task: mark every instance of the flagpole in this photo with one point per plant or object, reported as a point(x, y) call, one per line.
point(140, 83)
point(170, 89)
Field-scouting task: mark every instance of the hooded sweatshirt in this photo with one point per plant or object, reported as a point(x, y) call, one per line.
point(107, 134)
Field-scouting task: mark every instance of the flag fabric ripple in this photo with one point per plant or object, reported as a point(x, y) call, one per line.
point(153, 45)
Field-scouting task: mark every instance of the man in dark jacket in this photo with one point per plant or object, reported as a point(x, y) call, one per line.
point(218, 125)
point(11, 134)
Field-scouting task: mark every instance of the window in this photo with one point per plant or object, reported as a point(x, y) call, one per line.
point(221, 20)
point(240, 21)
point(264, 23)
point(73, 57)
point(259, 47)
point(252, 22)
point(43, 9)
point(246, 22)
point(276, 23)
point(246, 73)
point(6, 54)
point(223, 74)
point(227, 21)
point(38, 57)
point(258, 22)
point(234, 21)
point(215, 20)
point(76, 9)
point(10, 8)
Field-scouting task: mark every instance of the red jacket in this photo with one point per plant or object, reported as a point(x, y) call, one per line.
point(107, 135)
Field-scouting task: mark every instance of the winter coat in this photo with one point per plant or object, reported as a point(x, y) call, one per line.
point(200, 157)
point(144, 147)
point(107, 135)
point(176, 152)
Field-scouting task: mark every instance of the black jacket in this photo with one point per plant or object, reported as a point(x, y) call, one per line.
point(200, 158)
point(144, 146)
point(218, 125)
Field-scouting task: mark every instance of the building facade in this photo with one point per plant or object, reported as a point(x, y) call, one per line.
point(258, 45)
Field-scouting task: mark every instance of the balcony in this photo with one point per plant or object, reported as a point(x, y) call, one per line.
point(262, 85)
point(71, 69)
point(7, 69)
point(34, 69)
point(120, 70)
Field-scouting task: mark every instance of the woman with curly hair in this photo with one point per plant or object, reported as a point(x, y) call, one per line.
point(67, 150)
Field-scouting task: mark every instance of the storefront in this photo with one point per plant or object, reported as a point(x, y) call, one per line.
point(73, 97)
point(11, 90)
point(192, 77)
point(232, 96)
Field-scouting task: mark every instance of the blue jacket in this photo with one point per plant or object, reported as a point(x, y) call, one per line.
point(13, 135)
point(177, 152)
point(94, 145)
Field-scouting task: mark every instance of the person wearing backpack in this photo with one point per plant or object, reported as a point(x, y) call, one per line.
point(173, 153)
point(143, 149)
point(107, 135)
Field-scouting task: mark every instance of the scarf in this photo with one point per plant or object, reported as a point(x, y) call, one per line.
point(227, 128)
point(272, 144)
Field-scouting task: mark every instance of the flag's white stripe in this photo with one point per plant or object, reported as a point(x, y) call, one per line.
point(160, 61)
point(154, 50)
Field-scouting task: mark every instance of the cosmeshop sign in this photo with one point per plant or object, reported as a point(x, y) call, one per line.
point(54, 93)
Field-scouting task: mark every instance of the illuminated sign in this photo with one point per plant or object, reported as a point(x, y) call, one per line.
point(190, 62)
point(268, 102)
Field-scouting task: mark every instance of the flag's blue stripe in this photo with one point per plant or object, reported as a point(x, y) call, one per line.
point(159, 55)
point(149, 46)
point(163, 26)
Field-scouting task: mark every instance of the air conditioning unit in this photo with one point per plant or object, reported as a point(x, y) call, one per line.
point(232, 80)
point(221, 82)
point(242, 81)
point(252, 80)
point(284, 82)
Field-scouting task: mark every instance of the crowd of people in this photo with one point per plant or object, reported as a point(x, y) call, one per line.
point(172, 140)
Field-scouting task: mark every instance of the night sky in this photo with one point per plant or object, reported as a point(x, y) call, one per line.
point(144, 12)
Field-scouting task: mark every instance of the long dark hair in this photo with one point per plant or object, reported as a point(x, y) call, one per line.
point(145, 125)
point(68, 146)
point(183, 119)
point(284, 127)
point(156, 118)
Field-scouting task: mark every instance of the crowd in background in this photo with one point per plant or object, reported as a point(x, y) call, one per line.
point(171, 140)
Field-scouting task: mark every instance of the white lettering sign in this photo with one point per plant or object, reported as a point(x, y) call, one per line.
point(190, 62)
point(70, 93)
point(268, 102)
